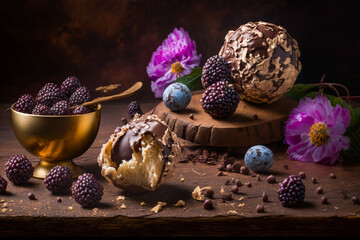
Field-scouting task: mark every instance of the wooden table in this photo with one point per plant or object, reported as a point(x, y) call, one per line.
point(20, 216)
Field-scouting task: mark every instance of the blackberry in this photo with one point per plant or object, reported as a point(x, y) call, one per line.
point(87, 191)
point(81, 95)
point(25, 104)
point(18, 169)
point(61, 108)
point(41, 109)
point(220, 100)
point(3, 185)
point(58, 179)
point(215, 69)
point(80, 110)
point(133, 108)
point(69, 85)
point(49, 94)
point(291, 191)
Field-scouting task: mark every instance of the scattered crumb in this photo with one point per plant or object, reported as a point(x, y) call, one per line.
point(222, 191)
point(232, 212)
point(196, 172)
point(123, 206)
point(180, 203)
point(2, 200)
point(70, 208)
point(143, 203)
point(197, 193)
point(5, 205)
point(241, 198)
point(4, 210)
point(120, 198)
point(95, 210)
point(158, 207)
point(182, 179)
point(336, 207)
point(241, 205)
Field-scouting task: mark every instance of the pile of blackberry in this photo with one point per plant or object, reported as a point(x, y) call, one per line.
point(3, 185)
point(58, 180)
point(292, 191)
point(18, 169)
point(134, 108)
point(55, 100)
point(220, 98)
point(215, 69)
point(87, 191)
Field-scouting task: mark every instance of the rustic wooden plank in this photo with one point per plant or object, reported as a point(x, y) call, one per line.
point(47, 217)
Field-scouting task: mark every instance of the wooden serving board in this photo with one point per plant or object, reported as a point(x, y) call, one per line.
point(251, 124)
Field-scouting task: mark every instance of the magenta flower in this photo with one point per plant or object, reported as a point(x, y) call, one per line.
point(315, 129)
point(175, 57)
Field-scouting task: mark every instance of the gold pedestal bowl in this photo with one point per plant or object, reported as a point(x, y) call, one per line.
point(57, 140)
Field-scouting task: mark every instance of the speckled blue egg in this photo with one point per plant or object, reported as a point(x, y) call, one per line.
point(259, 158)
point(177, 96)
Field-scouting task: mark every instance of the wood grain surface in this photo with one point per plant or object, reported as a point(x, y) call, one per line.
point(251, 123)
point(20, 216)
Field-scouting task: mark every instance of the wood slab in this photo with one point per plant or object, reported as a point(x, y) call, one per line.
point(251, 124)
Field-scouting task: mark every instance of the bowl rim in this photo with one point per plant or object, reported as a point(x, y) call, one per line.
point(98, 108)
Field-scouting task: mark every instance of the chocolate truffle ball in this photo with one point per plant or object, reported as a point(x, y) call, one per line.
point(141, 156)
point(264, 61)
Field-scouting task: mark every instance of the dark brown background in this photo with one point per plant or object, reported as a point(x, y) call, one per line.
point(110, 41)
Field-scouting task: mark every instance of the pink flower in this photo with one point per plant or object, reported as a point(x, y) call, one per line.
point(315, 129)
point(175, 57)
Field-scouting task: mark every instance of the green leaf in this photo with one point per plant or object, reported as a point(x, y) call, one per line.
point(298, 91)
point(353, 133)
point(192, 80)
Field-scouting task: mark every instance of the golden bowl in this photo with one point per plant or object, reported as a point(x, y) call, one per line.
point(57, 140)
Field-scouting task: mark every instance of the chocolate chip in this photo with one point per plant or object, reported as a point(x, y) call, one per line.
point(208, 204)
point(238, 183)
point(221, 174)
point(264, 197)
point(58, 199)
point(221, 167)
point(229, 168)
point(319, 190)
point(260, 208)
point(255, 116)
point(324, 200)
point(302, 175)
point(236, 167)
point(332, 175)
point(271, 179)
point(31, 196)
point(244, 170)
point(209, 193)
point(227, 182)
point(355, 200)
point(313, 180)
point(258, 178)
point(191, 116)
point(286, 167)
point(235, 189)
point(226, 196)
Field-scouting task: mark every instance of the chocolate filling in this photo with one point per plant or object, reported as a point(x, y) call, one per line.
point(131, 141)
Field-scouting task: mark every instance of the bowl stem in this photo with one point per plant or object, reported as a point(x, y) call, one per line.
point(44, 166)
